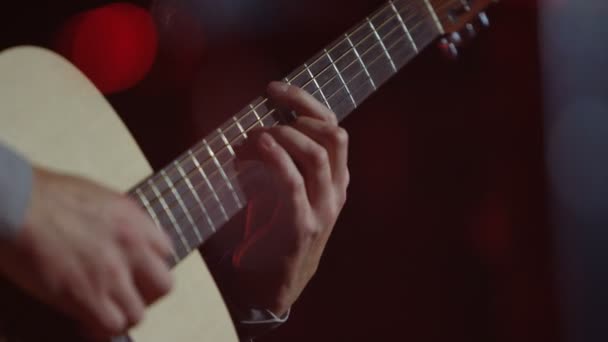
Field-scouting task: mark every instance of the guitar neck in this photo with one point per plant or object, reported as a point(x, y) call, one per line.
point(198, 193)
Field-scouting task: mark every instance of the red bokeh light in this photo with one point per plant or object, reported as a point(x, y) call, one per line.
point(115, 45)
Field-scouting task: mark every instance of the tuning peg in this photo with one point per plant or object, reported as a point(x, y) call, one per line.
point(456, 38)
point(470, 30)
point(448, 48)
point(483, 19)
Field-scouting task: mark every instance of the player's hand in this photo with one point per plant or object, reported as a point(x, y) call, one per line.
point(89, 252)
point(291, 217)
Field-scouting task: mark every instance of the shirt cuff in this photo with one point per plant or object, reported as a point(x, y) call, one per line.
point(255, 322)
point(250, 322)
point(264, 316)
point(16, 177)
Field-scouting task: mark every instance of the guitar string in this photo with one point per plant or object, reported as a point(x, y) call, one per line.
point(223, 187)
point(170, 169)
point(215, 138)
point(329, 67)
point(333, 95)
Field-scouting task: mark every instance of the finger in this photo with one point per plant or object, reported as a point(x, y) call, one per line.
point(97, 312)
point(312, 159)
point(107, 319)
point(151, 274)
point(335, 141)
point(300, 101)
point(127, 298)
point(279, 161)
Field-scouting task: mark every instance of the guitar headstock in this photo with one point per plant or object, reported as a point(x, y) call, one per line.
point(461, 21)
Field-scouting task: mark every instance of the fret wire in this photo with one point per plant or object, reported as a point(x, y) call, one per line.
point(238, 125)
point(226, 142)
point(314, 79)
point(341, 78)
point(409, 5)
point(371, 63)
point(170, 215)
point(202, 172)
point(361, 61)
point(253, 109)
point(182, 205)
point(407, 32)
point(260, 118)
point(257, 116)
point(270, 112)
point(223, 174)
point(196, 197)
point(359, 73)
point(382, 44)
point(144, 200)
point(334, 94)
point(146, 204)
point(434, 15)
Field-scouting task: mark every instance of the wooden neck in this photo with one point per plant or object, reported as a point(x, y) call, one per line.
point(198, 193)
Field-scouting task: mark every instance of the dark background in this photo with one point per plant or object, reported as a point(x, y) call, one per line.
point(444, 235)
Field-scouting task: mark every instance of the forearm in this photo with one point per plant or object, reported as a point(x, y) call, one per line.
point(15, 191)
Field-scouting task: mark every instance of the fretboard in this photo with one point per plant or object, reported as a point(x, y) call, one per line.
point(198, 193)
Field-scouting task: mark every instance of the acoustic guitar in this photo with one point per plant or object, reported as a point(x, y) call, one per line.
point(52, 114)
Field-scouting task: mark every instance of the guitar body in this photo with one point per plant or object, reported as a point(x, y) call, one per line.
point(54, 116)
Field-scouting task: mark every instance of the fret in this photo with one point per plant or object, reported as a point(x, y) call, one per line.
point(205, 181)
point(195, 195)
point(311, 88)
point(361, 88)
point(350, 95)
point(144, 200)
point(183, 207)
point(434, 15)
point(419, 20)
point(223, 174)
point(257, 116)
point(325, 76)
point(301, 76)
point(317, 85)
point(270, 116)
point(213, 192)
point(212, 210)
point(169, 214)
point(405, 29)
point(146, 203)
point(354, 48)
point(238, 125)
point(226, 142)
point(375, 32)
point(400, 48)
point(232, 132)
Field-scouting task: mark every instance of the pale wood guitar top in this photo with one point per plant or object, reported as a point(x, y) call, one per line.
point(56, 118)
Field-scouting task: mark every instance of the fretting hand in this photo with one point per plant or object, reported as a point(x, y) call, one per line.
point(289, 224)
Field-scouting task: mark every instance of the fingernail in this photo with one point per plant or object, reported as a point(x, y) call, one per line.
point(277, 88)
point(267, 141)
